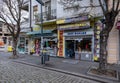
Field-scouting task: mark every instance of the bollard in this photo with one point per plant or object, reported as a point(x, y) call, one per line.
point(42, 59)
point(44, 56)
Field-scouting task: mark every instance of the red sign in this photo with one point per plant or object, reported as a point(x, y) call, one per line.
point(61, 43)
point(118, 25)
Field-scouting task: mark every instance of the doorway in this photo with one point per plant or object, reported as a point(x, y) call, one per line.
point(69, 48)
point(119, 48)
point(75, 45)
point(26, 45)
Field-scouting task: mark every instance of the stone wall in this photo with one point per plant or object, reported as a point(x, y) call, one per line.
point(113, 46)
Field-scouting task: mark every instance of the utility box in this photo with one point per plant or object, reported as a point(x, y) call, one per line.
point(86, 56)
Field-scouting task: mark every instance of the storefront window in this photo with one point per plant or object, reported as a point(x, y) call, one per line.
point(4, 40)
point(10, 41)
point(21, 45)
point(37, 46)
point(84, 45)
point(51, 46)
point(75, 45)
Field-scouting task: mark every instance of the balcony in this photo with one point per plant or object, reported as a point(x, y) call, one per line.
point(26, 5)
point(0, 29)
point(25, 26)
point(47, 16)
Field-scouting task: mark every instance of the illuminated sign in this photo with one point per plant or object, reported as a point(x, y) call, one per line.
point(76, 19)
point(73, 19)
point(61, 43)
point(60, 21)
point(36, 28)
point(75, 26)
point(78, 33)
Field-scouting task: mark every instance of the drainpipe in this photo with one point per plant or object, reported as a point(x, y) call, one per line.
point(41, 28)
point(31, 15)
point(119, 46)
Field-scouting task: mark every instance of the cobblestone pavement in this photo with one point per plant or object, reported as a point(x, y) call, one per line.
point(11, 72)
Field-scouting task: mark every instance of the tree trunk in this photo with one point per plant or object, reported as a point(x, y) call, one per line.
point(103, 50)
point(15, 48)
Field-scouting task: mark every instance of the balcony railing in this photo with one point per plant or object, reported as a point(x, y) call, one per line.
point(25, 5)
point(26, 1)
point(48, 15)
point(25, 26)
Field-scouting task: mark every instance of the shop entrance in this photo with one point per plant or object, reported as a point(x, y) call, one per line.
point(69, 51)
point(81, 45)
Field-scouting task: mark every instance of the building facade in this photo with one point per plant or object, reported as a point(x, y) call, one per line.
point(76, 22)
point(70, 30)
point(5, 37)
point(114, 46)
point(49, 27)
point(23, 39)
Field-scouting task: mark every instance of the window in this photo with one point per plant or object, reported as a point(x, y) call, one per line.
point(1, 24)
point(91, 2)
point(48, 6)
point(1, 29)
point(35, 11)
point(48, 10)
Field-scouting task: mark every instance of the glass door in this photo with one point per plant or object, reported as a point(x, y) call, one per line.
point(26, 45)
point(21, 46)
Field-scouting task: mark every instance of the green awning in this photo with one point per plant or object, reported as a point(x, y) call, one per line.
point(33, 33)
point(39, 32)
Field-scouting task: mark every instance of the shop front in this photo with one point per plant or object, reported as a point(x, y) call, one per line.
point(49, 43)
point(79, 44)
point(49, 39)
point(76, 38)
point(23, 44)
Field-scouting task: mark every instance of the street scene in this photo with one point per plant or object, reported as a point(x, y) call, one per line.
point(28, 69)
point(59, 41)
point(13, 72)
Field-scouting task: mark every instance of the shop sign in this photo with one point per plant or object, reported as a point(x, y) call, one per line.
point(74, 19)
point(75, 26)
point(78, 33)
point(60, 21)
point(61, 43)
point(36, 28)
point(118, 25)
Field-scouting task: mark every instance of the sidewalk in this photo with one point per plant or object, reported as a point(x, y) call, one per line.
point(68, 66)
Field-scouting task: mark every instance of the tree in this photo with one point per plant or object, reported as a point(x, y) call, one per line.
point(11, 14)
point(111, 9)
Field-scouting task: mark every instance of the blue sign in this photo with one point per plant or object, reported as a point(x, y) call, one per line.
point(76, 33)
point(76, 19)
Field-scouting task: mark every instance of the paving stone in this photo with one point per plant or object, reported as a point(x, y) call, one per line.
point(12, 72)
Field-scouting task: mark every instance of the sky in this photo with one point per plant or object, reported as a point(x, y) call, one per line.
point(24, 14)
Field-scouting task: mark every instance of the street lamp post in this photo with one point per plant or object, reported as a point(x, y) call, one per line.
point(42, 61)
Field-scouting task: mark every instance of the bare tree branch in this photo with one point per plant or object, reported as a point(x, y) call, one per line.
point(11, 14)
point(15, 9)
point(118, 3)
point(100, 2)
point(11, 30)
point(9, 6)
point(106, 4)
point(113, 5)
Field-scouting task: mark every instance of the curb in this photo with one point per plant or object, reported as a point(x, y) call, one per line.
point(69, 73)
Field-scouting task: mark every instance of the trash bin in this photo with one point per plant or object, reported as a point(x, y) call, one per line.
point(42, 59)
point(45, 56)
